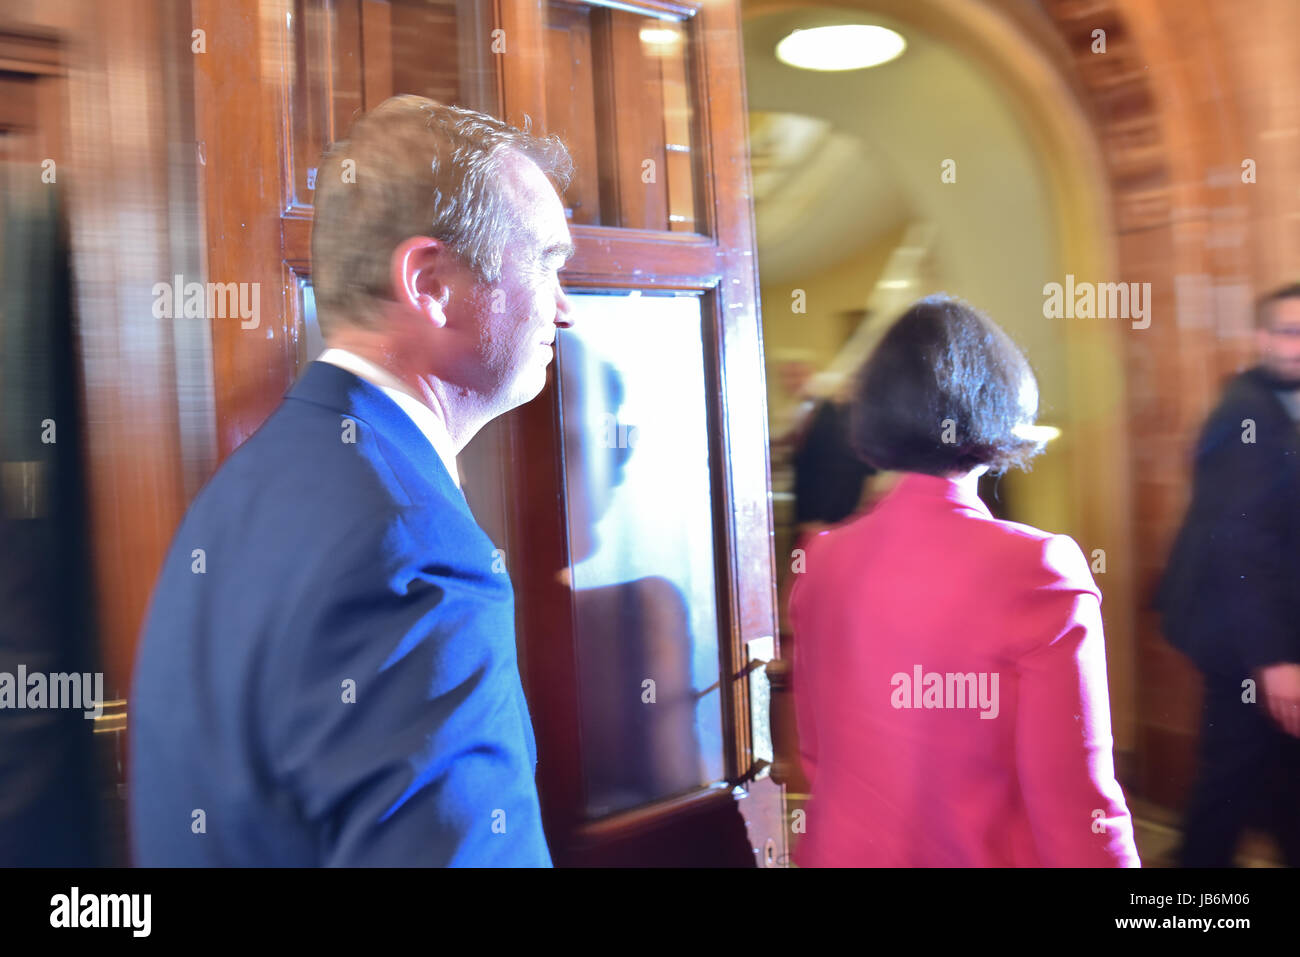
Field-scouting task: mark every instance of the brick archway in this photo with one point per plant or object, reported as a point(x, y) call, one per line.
point(1173, 150)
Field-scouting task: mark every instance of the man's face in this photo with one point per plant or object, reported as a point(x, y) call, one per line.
point(523, 310)
point(794, 375)
point(1279, 344)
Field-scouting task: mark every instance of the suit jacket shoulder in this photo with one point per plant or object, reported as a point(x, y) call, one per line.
point(329, 662)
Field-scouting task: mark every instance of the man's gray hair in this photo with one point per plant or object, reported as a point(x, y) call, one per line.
point(415, 167)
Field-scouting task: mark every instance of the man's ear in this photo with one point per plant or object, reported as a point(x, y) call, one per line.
point(417, 277)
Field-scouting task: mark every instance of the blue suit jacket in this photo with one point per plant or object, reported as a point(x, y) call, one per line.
point(327, 675)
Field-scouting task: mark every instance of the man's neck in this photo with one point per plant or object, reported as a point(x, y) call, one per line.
point(425, 388)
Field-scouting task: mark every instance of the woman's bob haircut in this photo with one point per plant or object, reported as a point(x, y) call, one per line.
point(945, 391)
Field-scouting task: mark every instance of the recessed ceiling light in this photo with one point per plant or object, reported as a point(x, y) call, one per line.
point(658, 36)
point(845, 47)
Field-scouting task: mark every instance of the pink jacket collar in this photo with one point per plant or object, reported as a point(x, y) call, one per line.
point(932, 486)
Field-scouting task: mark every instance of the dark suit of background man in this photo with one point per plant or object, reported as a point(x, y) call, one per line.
point(328, 672)
point(1231, 599)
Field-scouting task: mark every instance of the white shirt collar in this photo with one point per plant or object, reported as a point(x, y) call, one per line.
point(425, 419)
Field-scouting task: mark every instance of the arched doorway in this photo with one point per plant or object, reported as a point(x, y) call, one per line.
point(1046, 159)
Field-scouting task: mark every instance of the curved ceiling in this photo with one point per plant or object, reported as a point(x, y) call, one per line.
point(885, 134)
point(808, 172)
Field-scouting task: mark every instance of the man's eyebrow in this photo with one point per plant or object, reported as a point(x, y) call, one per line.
point(566, 250)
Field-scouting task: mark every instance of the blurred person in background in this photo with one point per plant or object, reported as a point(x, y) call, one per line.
point(52, 782)
point(795, 373)
point(828, 474)
point(949, 667)
point(328, 673)
point(1230, 599)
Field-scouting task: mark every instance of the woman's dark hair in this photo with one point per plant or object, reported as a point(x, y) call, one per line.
point(943, 392)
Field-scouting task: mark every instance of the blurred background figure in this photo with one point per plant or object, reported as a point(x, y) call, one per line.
point(828, 476)
point(1004, 756)
point(49, 782)
point(791, 375)
point(1230, 599)
point(812, 459)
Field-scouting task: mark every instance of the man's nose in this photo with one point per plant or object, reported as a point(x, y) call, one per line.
point(563, 311)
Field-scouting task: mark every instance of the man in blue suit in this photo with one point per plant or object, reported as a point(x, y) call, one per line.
point(327, 675)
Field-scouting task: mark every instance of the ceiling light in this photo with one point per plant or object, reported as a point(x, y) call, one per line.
point(658, 36)
point(846, 47)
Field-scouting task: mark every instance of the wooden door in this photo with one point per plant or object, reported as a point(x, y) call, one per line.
point(631, 499)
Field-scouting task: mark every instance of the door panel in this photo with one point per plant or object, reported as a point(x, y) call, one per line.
point(618, 88)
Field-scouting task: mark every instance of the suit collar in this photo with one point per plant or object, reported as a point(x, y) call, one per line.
point(351, 396)
point(425, 419)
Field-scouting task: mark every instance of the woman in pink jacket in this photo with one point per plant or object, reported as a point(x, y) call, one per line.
point(949, 668)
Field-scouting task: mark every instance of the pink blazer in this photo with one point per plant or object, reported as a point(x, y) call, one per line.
point(950, 688)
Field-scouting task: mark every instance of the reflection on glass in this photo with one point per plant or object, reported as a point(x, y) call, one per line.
point(618, 92)
point(351, 55)
point(640, 523)
point(439, 49)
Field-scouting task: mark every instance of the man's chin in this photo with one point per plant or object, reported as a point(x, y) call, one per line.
point(528, 387)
